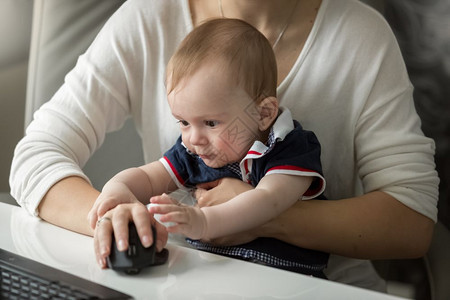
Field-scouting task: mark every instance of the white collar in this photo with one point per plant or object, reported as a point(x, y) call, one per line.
point(282, 126)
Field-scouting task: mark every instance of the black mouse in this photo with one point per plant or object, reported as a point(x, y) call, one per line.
point(136, 257)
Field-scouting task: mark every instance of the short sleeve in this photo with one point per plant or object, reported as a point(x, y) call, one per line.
point(298, 154)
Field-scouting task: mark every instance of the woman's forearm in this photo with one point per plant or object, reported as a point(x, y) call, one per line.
point(373, 226)
point(67, 204)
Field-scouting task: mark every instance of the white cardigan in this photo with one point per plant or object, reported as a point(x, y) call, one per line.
point(349, 85)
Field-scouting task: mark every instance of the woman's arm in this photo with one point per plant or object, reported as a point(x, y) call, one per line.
point(70, 212)
point(372, 226)
point(67, 204)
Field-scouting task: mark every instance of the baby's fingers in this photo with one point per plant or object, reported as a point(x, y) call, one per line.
point(178, 228)
point(171, 213)
point(179, 217)
point(186, 229)
point(163, 209)
point(163, 199)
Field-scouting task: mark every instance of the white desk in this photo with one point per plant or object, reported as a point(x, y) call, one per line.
point(189, 274)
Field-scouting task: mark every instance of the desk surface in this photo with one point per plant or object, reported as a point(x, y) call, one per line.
point(189, 274)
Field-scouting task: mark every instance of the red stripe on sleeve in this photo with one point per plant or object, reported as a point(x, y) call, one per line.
point(316, 185)
point(174, 171)
point(289, 167)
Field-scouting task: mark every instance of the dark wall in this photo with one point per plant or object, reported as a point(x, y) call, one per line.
point(422, 28)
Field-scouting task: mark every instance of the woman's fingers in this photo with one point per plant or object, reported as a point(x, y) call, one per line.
point(161, 234)
point(104, 204)
point(219, 191)
point(120, 220)
point(208, 185)
point(143, 222)
point(102, 240)
point(109, 204)
point(92, 215)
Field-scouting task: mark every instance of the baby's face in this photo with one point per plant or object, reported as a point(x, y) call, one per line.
point(218, 119)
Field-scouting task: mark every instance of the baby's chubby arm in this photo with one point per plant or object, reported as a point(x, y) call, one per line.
point(274, 194)
point(131, 185)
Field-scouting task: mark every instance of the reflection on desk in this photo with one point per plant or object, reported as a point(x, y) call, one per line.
point(189, 274)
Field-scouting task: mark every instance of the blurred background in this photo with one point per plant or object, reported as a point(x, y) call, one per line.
point(15, 33)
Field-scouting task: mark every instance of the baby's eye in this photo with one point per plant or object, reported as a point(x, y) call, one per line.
point(211, 123)
point(183, 122)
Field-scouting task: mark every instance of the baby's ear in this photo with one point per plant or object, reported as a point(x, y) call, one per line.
point(268, 112)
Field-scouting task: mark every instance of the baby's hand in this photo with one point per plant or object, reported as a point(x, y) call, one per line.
point(190, 220)
point(113, 194)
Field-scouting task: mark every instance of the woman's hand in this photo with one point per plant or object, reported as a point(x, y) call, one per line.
point(219, 191)
point(113, 194)
point(116, 220)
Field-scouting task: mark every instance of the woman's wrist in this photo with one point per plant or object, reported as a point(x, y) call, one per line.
point(285, 226)
point(67, 204)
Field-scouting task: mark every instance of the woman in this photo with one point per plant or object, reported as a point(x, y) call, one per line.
point(339, 71)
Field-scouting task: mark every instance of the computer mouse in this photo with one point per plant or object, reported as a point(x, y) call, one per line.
point(136, 257)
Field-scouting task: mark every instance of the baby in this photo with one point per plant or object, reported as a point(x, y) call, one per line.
point(221, 87)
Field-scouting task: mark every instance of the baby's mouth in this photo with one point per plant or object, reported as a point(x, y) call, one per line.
point(204, 156)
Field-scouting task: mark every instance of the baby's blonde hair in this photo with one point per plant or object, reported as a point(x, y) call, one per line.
point(245, 52)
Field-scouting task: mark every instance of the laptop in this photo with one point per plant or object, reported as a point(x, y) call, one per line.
point(23, 278)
